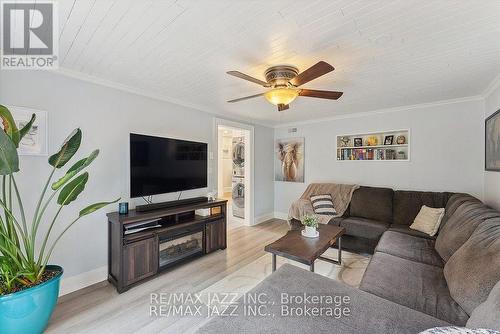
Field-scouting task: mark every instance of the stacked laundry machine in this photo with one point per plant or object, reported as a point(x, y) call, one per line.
point(238, 182)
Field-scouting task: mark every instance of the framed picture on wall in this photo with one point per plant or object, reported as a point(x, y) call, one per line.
point(289, 160)
point(492, 142)
point(35, 142)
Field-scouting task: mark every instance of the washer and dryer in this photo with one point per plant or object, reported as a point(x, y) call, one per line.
point(238, 183)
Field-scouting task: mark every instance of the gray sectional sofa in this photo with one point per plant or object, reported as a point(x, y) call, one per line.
point(412, 282)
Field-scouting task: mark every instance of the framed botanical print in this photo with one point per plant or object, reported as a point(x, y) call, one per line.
point(492, 142)
point(35, 142)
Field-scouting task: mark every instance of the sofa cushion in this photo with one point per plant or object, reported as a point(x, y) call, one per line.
point(454, 203)
point(487, 314)
point(419, 286)
point(368, 313)
point(460, 226)
point(364, 228)
point(473, 270)
point(372, 203)
point(409, 247)
point(407, 204)
point(358, 245)
point(336, 221)
point(407, 230)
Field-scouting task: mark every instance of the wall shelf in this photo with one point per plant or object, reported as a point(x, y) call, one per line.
point(370, 146)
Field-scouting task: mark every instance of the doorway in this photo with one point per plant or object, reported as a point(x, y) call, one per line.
point(234, 171)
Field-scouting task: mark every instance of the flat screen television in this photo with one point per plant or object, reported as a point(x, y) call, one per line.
point(163, 165)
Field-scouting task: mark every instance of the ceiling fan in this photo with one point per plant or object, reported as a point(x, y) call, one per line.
point(284, 81)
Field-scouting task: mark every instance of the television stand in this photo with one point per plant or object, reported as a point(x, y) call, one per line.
point(141, 245)
point(170, 204)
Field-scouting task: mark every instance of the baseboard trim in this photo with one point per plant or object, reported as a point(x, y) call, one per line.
point(263, 218)
point(83, 280)
point(280, 215)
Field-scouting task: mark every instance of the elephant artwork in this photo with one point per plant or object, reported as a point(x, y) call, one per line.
point(289, 160)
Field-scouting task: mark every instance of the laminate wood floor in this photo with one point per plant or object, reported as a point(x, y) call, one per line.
point(100, 309)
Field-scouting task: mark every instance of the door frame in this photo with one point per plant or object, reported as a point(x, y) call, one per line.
point(249, 177)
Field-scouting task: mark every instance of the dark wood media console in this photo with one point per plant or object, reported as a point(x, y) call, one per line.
point(168, 237)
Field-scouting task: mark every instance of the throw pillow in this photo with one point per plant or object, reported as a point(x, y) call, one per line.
point(428, 220)
point(323, 204)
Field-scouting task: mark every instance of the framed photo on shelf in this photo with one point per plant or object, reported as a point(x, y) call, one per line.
point(358, 142)
point(345, 141)
point(492, 142)
point(388, 140)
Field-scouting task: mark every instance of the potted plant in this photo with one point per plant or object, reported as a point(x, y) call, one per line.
point(29, 286)
point(311, 223)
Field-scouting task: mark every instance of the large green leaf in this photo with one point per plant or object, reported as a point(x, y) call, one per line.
point(27, 127)
point(9, 126)
point(68, 149)
point(94, 207)
point(71, 191)
point(9, 161)
point(75, 169)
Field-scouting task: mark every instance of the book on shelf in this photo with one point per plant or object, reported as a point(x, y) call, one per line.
point(370, 154)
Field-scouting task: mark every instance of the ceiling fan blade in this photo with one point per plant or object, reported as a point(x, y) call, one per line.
point(322, 94)
point(248, 78)
point(312, 73)
point(245, 98)
point(282, 107)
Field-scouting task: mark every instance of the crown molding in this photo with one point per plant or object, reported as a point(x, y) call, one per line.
point(383, 111)
point(494, 84)
point(160, 97)
point(156, 96)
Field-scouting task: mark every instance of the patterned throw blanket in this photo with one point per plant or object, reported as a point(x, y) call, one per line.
point(341, 197)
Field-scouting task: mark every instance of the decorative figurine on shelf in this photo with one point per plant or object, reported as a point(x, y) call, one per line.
point(344, 141)
point(389, 140)
point(372, 141)
point(358, 142)
point(401, 140)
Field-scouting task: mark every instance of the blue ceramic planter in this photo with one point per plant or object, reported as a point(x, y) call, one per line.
point(29, 311)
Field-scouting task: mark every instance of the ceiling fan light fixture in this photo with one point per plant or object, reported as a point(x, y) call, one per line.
point(281, 95)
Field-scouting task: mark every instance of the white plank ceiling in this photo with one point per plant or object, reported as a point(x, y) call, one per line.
point(386, 53)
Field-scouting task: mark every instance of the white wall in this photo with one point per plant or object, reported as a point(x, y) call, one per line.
point(225, 171)
point(446, 151)
point(106, 117)
point(264, 174)
point(492, 179)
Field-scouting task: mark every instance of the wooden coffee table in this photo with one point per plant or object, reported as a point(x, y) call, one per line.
point(295, 247)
